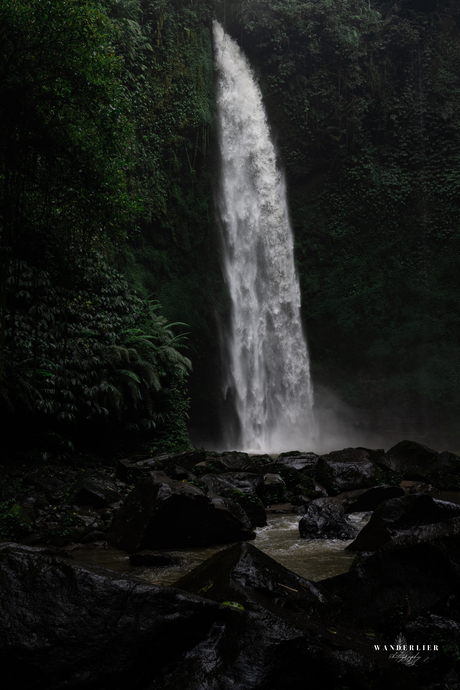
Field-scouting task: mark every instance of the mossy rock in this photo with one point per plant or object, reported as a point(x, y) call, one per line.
point(16, 523)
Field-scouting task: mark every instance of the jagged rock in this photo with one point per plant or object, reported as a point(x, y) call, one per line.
point(64, 625)
point(302, 462)
point(409, 580)
point(244, 574)
point(246, 482)
point(325, 519)
point(348, 469)
point(151, 558)
point(412, 460)
point(248, 577)
point(161, 513)
point(398, 514)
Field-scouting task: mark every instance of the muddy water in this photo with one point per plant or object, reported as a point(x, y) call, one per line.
point(280, 539)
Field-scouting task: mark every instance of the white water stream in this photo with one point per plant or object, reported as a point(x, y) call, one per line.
point(268, 366)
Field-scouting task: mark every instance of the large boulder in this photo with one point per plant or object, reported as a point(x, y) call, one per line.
point(412, 460)
point(348, 469)
point(93, 491)
point(400, 514)
point(161, 513)
point(302, 462)
point(272, 490)
point(423, 533)
point(403, 581)
point(365, 500)
point(68, 626)
point(325, 519)
point(244, 576)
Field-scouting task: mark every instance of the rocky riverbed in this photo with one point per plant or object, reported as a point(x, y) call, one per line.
point(240, 619)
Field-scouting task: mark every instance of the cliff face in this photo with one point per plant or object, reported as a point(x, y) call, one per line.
point(364, 105)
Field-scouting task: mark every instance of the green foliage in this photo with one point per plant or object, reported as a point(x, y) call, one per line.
point(15, 521)
point(63, 122)
point(92, 355)
point(169, 80)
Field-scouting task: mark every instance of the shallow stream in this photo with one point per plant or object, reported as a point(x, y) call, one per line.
point(280, 539)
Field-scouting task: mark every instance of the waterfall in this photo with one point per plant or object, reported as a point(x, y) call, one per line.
point(268, 366)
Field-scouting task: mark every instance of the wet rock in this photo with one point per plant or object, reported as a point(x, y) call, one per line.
point(325, 519)
point(438, 667)
point(446, 475)
point(424, 533)
point(245, 482)
point(398, 514)
point(272, 490)
point(97, 629)
point(302, 462)
point(406, 581)
point(364, 500)
point(412, 460)
point(348, 469)
point(290, 476)
point(151, 558)
point(313, 488)
point(300, 500)
point(252, 506)
point(248, 577)
point(244, 574)
point(162, 513)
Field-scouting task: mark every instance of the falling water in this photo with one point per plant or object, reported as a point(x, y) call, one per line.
point(268, 367)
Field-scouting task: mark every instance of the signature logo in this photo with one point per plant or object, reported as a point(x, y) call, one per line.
point(407, 654)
